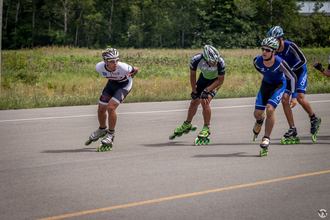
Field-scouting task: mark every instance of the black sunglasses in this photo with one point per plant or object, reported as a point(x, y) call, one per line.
point(266, 49)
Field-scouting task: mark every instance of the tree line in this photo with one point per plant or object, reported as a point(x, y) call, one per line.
point(157, 23)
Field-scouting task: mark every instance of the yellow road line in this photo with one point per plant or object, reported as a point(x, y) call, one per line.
point(182, 196)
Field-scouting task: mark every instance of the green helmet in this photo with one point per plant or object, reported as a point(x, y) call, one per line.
point(270, 42)
point(211, 54)
point(276, 32)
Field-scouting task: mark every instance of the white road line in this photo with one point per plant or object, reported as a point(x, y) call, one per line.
point(132, 113)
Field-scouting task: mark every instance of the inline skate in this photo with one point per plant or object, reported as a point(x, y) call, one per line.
point(264, 147)
point(257, 128)
point(99, 133)
point(315, 126)
point(203, 136)
point(290, 137)
point(106, 142)
point(185, 128)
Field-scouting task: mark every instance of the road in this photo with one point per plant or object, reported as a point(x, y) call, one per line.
point(46, 172)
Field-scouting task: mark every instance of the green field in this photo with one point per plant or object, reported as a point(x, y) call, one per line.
point(53, 76)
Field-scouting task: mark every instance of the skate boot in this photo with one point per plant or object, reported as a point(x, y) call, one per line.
point(315, 126)
point(257, 128)
point(96, 135)
point(106, 142)
point(185, 128)
point(290, 137)
point(203, 136)
point(264, 146)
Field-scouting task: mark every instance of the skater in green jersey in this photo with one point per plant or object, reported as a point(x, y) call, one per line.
point(212, 67)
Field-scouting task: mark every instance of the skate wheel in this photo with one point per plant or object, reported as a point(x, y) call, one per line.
point(194, 128)
point(314, 139)
point(197, 141)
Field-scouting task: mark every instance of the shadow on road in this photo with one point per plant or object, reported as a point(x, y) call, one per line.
point(89, 150)
point(238, 154)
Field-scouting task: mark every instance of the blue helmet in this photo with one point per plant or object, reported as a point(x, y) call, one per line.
point(276, 32)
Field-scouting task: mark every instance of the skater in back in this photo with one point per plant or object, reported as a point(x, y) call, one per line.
point(212, 67)
point(320, 68)
point(274, 71)
point(291, 53)
point(119, 84)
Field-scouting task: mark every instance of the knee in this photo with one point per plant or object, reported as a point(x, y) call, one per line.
point(111, 107)
point(102, 109)
point(270, 111)
point(285, 100)
point(300, 98)
point(258, 114)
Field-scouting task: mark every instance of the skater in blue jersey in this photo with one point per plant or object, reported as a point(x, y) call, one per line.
point(274, 71)
point(212, 67)
point(291, 53)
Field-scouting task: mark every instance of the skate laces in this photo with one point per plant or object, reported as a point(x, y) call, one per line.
point(184, 127)
point(108, 138)
point(257, 128)
point(265, 141)
point(99, 132)
point(204, 131)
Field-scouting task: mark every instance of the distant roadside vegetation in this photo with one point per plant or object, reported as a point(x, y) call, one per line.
point(63, 76)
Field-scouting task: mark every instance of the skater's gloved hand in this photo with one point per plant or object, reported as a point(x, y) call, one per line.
point(194, 95)
point(205, 94)
point(318, 66)
point(293, 102)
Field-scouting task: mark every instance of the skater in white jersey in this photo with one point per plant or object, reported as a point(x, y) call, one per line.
point(120, 80)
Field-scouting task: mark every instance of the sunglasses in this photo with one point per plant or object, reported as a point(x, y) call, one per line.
point(111, 60)
point(266, 49)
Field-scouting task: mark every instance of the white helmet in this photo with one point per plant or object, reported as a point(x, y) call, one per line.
point(110, 53)
point(270, 42)
point(211, 54)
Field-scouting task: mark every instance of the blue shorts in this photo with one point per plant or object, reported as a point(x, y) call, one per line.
point(301, 84)
point(269, 94)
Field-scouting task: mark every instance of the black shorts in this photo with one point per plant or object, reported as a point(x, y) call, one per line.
point(116, 91)
point(203, 83)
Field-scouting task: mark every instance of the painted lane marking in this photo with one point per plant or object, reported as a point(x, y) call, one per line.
point(183, 196)
point(132, 113)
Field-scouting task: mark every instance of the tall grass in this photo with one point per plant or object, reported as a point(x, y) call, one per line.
point(55, 76)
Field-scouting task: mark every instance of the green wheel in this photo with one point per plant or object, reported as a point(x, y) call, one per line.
point(314, 138)
point(194, 128)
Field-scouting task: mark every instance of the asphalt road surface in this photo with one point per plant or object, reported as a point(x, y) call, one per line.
point(46, 172)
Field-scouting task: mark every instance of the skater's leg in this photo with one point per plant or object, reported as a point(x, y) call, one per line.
point(102, 115)
point(270, 120)
point(206, 112)
point(305, 104)
point(287, 109)
point(192, 109)
point(112, 115)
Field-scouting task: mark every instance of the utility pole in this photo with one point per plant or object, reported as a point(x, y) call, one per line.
point(271, 12)
point(1, 7)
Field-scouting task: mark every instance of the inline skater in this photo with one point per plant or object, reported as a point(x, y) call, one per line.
point(212, 67)
point(119, 84)
point(295, 58)
point(274, 71)
point(320, 68)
